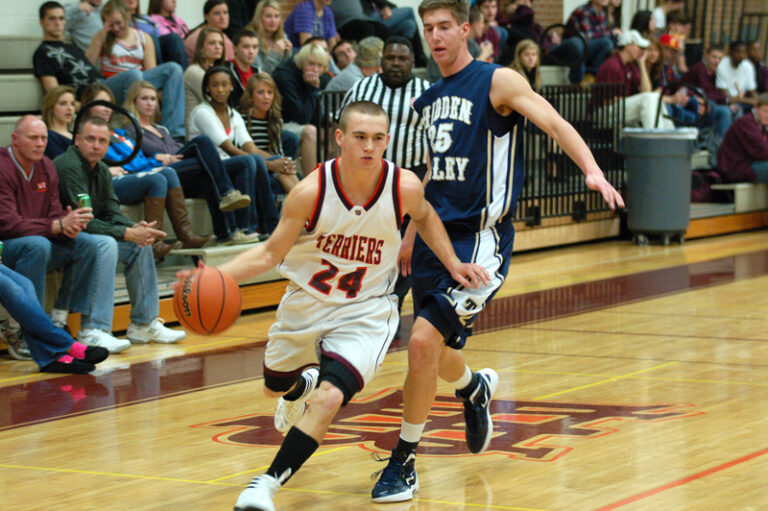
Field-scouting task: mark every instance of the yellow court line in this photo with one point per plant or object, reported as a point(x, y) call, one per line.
point(646, 378)
point(259, 469)
point(302, 490)
point(113, 474)
point(607, 380)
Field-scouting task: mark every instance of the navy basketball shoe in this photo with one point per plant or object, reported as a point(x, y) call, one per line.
point(478, 425)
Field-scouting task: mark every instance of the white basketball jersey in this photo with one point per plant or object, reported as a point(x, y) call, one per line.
point(348, 253)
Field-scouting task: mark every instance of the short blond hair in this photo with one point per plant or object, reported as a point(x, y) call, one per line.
point(311, 51)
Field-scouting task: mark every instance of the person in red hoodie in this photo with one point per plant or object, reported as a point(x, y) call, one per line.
point(743, 155)
point(39, 234)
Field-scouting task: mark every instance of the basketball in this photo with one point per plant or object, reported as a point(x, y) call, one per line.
point(208, 301)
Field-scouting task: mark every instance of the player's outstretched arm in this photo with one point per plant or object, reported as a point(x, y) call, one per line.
point(297, 209)
point(432, 231)
point(510, 91)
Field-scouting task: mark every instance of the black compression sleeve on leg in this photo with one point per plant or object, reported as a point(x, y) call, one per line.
point(296, 449)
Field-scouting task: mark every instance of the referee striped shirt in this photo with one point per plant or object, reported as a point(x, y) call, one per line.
point(408, 143)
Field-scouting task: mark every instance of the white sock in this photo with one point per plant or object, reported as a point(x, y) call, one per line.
point(411, 432)
point(59, 316)
point(465, 379)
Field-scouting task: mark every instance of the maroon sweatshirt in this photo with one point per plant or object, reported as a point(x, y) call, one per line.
point(744, 143)
point(28, 205)
point(699, 76)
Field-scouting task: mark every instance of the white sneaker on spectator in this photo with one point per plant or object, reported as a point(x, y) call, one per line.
point(240, 238)
point(155, 331)
point(102, 338)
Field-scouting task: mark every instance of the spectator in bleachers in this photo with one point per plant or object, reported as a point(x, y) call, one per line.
point(743, 155)
point(343, 54)
point(82, 171)
point(274, 47)
point(703, 75)
point(755, 55)
point(200, 168)
point(627, 66)
point(163, 13)
point(592, 22)
point(653, 63)
point(145, 180)
point(52, 348)
point(679, 24)
point(614, 18)
point(39, 235)
point(226, 128)
point(527, 62)
point(482, 32)
point(216, 15)
point(664, 8)
point(240, 15)
point(59, 63)
point(83, 21)
point(521, 24)
point(490, 10)
point(261, 106)
point(120, 48)
point(643, 22)
point(209, 52)
point(242, 68)
point(367, 62)
point(735, 76)
point(59, 107)
point(311, 18)
point(331, 69)
point(169, 46)
point(684, 108)
point(298, 80)
point(353, 23)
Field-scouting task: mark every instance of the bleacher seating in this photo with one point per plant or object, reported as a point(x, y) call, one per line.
point(746, 196)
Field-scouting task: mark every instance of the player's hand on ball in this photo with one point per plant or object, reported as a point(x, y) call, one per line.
point(183, 275)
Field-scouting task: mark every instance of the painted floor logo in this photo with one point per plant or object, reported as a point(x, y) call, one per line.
point(527, 430)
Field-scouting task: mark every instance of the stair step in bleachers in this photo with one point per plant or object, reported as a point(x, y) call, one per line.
point(17, 52)
point(199, 216)
point(554, 75)
point(20, 93)
point(746, 196)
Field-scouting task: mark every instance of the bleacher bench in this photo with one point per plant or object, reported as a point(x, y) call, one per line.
point(746, 196)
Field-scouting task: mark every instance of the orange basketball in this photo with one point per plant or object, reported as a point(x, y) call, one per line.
point(208, 301)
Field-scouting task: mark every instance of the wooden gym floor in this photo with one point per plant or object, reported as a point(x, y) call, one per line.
point(632, 378)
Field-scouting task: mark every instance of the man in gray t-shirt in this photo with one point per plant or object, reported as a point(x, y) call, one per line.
point(83, 21)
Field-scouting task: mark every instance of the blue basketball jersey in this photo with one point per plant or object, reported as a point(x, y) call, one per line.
point(476, 153)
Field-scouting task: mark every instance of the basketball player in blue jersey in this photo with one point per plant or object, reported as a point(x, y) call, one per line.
point(474, 118)
point(337, 242)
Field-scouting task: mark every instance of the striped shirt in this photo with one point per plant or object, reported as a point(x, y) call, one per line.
point(259, 131)
point(408, 143)
point(123, 57)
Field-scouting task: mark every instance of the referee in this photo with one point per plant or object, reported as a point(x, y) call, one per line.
point(394, 89)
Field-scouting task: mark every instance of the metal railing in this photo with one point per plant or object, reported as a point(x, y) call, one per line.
point(554, 185)
point(717, 21)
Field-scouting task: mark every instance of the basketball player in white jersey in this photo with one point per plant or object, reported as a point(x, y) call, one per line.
point(337, 242)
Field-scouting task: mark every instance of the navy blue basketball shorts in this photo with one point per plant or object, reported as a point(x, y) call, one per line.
point(450, 308)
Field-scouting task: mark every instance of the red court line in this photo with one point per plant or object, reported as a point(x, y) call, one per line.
point(682, 481)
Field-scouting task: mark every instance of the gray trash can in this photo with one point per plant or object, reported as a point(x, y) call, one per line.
point(658, 165)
